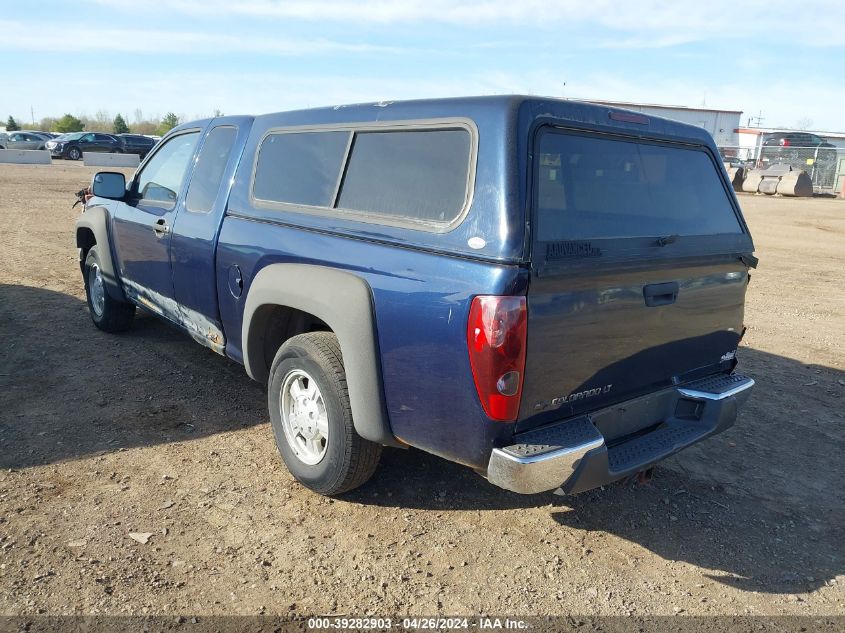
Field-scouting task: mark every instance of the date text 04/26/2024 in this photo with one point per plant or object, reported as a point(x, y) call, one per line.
point(418, 623)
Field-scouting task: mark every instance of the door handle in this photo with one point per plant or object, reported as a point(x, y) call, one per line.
point(660, 294)
point(161, 228)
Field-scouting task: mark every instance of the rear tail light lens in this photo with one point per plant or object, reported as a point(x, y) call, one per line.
point(784, 142)
point(496, 338)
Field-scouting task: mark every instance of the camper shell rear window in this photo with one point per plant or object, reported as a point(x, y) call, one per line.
point(595, 187)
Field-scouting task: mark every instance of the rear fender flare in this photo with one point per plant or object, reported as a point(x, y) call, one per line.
point(344, 302)
point(95, 219)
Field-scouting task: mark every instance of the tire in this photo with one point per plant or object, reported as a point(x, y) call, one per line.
point(108, 314)
point(335, 459)
point(74, 154)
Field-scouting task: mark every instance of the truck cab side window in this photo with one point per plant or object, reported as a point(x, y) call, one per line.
point(211, 163)
point(159, 182)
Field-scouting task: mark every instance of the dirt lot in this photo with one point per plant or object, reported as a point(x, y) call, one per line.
point(102, 436)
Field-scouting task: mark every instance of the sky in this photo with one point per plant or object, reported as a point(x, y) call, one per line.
point(782, 60)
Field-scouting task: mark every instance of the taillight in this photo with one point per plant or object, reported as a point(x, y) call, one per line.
point(784, 142)
point(496, 335)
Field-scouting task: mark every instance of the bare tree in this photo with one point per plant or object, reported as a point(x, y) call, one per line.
point(804, 123)
point(102, 122)
point(47, 123)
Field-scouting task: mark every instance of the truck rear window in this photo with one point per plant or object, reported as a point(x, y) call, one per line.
point(590, 187)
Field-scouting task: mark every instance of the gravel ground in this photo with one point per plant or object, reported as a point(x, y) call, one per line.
point(139, 473)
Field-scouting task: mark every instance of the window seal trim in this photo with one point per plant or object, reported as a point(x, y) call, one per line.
point(401, 125)
point(344, 163)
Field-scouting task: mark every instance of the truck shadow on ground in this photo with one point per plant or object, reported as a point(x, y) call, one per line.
point(762, 502)
point(68, 390)
point(760, 505)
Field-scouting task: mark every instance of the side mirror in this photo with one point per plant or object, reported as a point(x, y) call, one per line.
point(109, 184)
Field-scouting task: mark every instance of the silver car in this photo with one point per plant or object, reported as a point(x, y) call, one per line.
point(22, 140)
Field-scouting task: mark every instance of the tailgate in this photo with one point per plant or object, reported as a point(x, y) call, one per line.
point(636, 278)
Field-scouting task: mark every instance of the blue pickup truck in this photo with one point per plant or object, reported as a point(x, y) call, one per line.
point(547, 291)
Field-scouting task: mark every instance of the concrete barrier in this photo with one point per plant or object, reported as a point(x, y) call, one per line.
point(737, 176)
point(779, 179)
point(101, 159)
point(752, 181)
point(769, 185)
point(796, 183)
point(25, 156)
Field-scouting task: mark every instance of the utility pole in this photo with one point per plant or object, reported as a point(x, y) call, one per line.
point(32, 114)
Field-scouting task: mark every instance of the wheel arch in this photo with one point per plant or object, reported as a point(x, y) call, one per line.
point(341, 300)
point(92, 229)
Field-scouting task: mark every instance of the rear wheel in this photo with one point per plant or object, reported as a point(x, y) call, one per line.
point(74, 154)
point(108, 314)
point(312, 418)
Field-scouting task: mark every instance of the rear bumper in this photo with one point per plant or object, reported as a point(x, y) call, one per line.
point(575, 456)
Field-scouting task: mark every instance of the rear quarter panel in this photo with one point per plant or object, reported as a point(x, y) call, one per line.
point(421, 302)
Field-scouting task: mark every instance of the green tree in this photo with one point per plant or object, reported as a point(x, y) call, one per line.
point(120, 126)
point(68, 123)
point(12, 125)
point(169, 122)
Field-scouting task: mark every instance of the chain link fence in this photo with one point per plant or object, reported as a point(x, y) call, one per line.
point(824, 165)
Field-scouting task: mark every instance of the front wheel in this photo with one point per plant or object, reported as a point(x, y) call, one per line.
point(312, 418)
point(108, 314)
point(74, 154)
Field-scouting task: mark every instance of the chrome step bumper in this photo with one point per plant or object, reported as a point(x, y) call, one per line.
point(573, 455)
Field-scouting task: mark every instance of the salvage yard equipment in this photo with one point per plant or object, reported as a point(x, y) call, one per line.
point(780, 179)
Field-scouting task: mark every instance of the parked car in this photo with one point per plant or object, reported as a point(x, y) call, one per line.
point(794, 140)
point(23, 139)
point(733, 161)
point(73, 144)
point(137, 144)
point(801, 150)
point(388, 274)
